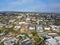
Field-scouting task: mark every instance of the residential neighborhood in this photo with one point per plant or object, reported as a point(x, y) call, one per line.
point(29, 28)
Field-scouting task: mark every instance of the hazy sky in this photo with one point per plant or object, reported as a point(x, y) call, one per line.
point(30, 5)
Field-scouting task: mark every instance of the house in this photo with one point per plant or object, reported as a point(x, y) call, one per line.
point(12, 20)
point(59, 42)
point(25, 41)
point(17, 27)
point(31, 27)
point(42, 34)
point(10, 41)
point(22, 36)
point(58, 39)
point(1, 25)
point(51, 41)
point(9, 26)
point(47, 28)
point(24, 29)
point(1, 34)
point(33, 19)
point(46, 37)
point(28, 19)
point(39, 21)
point(21, 22)
point(39, 28)
point(55, 28)
point(53, 34)
point(19, 16)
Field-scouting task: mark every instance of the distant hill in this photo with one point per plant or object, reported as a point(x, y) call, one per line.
point(3, 13)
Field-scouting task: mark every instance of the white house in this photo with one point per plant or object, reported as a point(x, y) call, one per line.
point(31, 27)
point(27, 19)
point(19, 16)
point(9, 26)
point(58, 39)
point(1, 34)
point(51, 41)
point(47, 28)
point(17, 27)
point(12, 20)
point(10, 41)
point(53, 34)
point(55, 28)
point(1, 25)
point(21, 22)
point(39, 28)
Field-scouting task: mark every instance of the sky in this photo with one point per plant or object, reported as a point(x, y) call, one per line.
point(30, 5)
